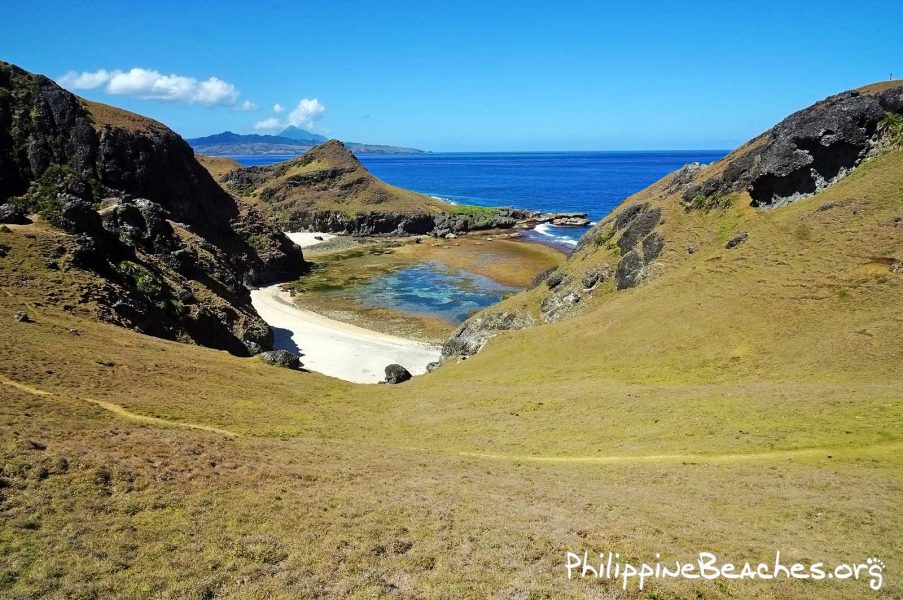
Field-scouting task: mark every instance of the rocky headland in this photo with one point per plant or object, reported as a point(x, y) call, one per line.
point(328, 189)
point(126, 200)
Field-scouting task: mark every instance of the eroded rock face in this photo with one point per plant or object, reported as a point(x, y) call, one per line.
point(473, 334)
point(122, 185)
point(806, 152)
point(639, 242)
point(556, 305)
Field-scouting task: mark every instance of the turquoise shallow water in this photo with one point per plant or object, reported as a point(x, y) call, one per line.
point(431, 289)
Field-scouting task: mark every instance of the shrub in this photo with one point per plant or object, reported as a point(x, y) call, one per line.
point(707, 203)
point(604, 237)
point(144, 281)
point(891, 128)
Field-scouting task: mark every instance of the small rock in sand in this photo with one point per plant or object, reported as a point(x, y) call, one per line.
point(22, 317)
point(397, 374)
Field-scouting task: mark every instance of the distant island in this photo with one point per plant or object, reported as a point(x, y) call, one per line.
point(291, 140)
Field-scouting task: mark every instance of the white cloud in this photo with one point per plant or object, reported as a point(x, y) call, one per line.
point(247, 106)
point(85, 81)
point(305, 115)
point(268, 124)
point(149, 84)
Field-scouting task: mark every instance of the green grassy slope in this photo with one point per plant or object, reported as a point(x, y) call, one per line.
point(741, 402)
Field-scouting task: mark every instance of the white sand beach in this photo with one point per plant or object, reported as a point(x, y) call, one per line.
point(334, 348)
point(305, 239)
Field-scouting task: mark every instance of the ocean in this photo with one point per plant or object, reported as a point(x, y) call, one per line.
point(590, 182)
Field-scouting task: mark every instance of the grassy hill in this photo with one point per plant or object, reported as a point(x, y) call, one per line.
point(738, 401)
point(326, 178)
point(328, 189)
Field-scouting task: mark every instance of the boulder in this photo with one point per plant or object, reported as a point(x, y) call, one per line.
point(22, 317)
point(397, 374)
point(433, 366)
point(473, 333)
point(555, 306)
point(554, 280)
point(640, 226)
point(78, 215)
point(281, 358)
point(595, 276)
point(736, 240)
point(12, 215)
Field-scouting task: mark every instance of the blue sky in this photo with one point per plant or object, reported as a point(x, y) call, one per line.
point(463, 75)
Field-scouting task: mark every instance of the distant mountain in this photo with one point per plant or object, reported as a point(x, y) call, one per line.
point(294, 133)
point(291, 140)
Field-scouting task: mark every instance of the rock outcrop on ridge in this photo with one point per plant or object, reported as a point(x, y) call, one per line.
point(806, 153)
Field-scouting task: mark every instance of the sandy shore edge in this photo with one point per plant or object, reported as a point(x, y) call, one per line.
point(335, 348)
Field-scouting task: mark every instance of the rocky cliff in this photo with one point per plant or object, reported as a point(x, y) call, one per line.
point(705, 212)
point(178, 251)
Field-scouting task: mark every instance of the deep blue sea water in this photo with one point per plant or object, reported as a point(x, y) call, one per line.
point(590, 182)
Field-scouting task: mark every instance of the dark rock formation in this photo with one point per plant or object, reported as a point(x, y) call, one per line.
point(630, 271)
point(12, 215)
point(397, 374)
point(806, 152)
point(143, 213)
point(639, 243)
point(638, 228)
point(595, 276)
point(473, 334)
point(281, 358)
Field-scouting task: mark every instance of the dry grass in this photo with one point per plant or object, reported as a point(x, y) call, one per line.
point(217, 166)
point(741, 402)
point(104, 115)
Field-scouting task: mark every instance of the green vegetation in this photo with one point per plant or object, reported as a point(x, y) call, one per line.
point(43, 196)
point(605, 237)
point(709, 203)
point(891, 127)
point(145, 282)
point(473, 211)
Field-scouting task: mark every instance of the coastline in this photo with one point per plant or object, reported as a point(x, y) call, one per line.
point(335, 348)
